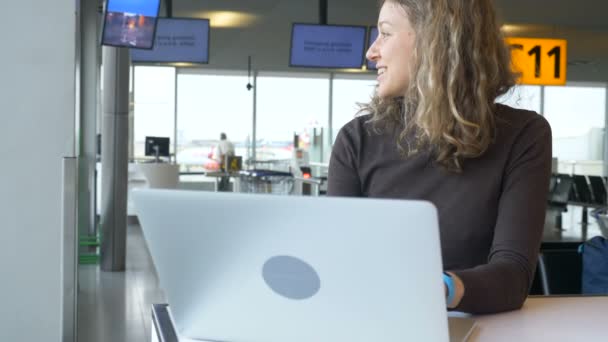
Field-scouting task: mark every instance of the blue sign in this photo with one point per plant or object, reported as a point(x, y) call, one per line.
point(327, 46)
point(177, 40)
point(373, 34)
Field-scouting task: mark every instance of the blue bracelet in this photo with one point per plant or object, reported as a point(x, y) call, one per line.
point(449, 283)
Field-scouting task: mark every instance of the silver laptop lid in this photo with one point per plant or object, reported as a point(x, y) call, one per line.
point(243, 267)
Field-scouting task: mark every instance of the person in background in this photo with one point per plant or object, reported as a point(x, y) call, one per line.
point(433, 131)
point(224, 149)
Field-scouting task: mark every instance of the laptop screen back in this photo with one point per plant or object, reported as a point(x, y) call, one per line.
point(242, 267)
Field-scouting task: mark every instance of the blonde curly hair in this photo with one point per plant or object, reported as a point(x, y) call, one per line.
point(460, 66)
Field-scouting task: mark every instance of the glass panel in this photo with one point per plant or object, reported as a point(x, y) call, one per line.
point(347, 93)
point(154, 112)
point(522, 97)
point(288, 105)
point(207, 106)
point(577, 116)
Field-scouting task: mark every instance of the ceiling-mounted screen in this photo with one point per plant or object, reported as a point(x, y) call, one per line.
point(327, 46)
point(373, 34)
point(178, 40)
point(130, 23)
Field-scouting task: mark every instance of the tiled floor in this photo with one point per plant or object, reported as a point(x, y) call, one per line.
point(115, 306)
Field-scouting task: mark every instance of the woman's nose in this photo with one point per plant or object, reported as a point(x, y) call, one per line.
point(372, 52)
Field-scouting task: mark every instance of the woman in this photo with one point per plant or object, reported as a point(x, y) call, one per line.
point(432, 131)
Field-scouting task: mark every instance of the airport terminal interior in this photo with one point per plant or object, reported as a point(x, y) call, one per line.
point(161, 116)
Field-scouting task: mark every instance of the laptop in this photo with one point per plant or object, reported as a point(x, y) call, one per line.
point(253, 268)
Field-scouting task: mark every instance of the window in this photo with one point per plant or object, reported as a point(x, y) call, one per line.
point(522, 97)
point(288, 105)
point(209, 104)
point(577, 116)
point(154, 112)
point(347, 93)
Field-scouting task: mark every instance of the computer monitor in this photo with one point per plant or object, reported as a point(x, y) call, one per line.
point(373, 34)
point(157, 146)
point(178, 40)
point(327, 46)
point(130, 23)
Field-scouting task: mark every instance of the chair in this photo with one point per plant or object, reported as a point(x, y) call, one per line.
point(540, 284)
point(598, 189)
point(581, 189)
point(559, 272)
point(562, 190)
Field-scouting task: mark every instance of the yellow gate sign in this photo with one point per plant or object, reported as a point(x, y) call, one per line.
point(540, 61)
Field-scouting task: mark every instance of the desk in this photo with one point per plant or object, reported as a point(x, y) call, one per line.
point(574, 227)
point(585, 214)
point(220, 174)
point(160, 175)
point(556, 209)
point(551, 319)
point(547, 319)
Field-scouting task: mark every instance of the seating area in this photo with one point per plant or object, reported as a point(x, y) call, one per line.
point(575, 190)
point(560, 265)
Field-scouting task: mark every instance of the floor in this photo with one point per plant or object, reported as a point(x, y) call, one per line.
point(116, 306)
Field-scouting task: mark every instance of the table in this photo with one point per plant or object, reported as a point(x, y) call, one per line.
point(552, 319)
point(543, 318)
point(220, 174)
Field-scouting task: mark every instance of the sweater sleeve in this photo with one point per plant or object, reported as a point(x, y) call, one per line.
point(504, 282)
point(343, 178)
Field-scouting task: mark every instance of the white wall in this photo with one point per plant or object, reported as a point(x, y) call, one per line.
point(37, 108)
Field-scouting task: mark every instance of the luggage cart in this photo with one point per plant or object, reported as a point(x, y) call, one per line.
point(266, 182)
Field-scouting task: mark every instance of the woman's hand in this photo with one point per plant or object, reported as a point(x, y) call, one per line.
point(458, 290)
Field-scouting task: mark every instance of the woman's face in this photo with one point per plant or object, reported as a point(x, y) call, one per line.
point(392, 50)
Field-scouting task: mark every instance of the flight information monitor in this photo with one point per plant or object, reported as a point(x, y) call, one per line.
point(373, 34)
point(130, 23)
point(327, 46)
point(178, 40)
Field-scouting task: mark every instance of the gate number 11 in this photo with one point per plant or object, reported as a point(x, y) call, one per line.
point(536, 52)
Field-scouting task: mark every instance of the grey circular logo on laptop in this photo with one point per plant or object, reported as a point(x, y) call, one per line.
point(291, 277)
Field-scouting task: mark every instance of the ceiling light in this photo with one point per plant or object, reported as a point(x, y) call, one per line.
point(228, 19)
point(522, 29)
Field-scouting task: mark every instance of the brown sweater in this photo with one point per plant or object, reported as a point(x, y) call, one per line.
point(491, 215)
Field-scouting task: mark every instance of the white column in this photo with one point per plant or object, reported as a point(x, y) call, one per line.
point(38, 110)
point(114, 158)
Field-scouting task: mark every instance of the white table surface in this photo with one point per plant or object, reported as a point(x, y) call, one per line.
point(550, 319)
point(547, 319)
